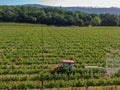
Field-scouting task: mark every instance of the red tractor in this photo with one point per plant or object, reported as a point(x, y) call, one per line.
point(66, 64)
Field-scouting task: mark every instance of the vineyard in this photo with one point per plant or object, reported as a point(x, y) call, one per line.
point(29, 53)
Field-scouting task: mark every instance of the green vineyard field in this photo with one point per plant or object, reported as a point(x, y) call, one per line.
point(29, 53)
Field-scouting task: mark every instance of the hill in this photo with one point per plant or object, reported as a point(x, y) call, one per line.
point(95, 10)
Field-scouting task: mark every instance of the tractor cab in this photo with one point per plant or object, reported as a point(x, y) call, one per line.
point(66, 64)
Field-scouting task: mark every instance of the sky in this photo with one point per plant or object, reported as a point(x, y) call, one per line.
point(65, 3)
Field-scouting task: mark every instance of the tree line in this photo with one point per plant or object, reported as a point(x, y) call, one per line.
point(55, 16)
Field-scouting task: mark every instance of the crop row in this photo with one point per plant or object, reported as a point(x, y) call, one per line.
point(57, 84)
point(31, 53)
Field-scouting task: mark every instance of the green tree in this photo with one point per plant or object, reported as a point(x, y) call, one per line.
point(96, 21)
point(109, 20)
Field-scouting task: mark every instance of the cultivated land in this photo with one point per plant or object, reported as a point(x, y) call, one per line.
point(28, 54)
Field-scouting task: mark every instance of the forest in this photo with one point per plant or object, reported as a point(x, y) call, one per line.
point(55, 16)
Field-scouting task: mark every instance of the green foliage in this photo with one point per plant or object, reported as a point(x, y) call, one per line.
point(109, 20)
point(29, 53)
point(54, 16)
point(96, 21)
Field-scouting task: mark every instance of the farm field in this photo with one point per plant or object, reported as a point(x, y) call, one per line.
point(29, 53)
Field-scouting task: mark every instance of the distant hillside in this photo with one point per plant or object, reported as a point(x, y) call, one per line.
point(112, 10)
